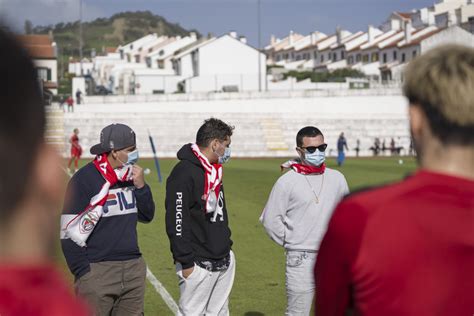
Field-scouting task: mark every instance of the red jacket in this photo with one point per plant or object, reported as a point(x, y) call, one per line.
point(404, 249)
point(36, 291)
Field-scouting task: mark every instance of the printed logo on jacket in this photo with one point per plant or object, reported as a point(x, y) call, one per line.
point(120, 202)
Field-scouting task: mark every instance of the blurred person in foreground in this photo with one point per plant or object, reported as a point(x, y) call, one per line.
point(31, 189)
point(408, 248)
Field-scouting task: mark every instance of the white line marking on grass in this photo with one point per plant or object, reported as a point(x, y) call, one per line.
point(162, 291)
point(153, 280)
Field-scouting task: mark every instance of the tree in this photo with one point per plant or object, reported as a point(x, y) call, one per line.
point(28, 27)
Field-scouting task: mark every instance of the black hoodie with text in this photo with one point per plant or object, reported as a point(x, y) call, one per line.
point(190, 230)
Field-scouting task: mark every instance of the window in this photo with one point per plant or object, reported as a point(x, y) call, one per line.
point(403, 58)
point(278, 58)
point(342, 55)
point(358, 57)
point(384, 58)
point(375, 57)
point(298, 57)
point(44, 74)
point(286, 56)
point(292, 55)
point(395, 57)
point(365, 59)
point(161, 64)
point(315, 55)
point(351, 60)
point(322, 58)
point(414, 53)
point(334, 57)
point(195, 61)
point(137, 58)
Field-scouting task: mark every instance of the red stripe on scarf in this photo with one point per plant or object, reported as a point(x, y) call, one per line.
point(305, 169)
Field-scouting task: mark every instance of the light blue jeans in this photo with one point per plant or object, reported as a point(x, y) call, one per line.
point(300, 285)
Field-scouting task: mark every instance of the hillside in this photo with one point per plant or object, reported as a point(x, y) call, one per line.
point(120, 28)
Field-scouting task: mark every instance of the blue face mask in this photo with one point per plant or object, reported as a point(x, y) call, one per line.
point(225, 157)
point(315, 159)
point(132, 157)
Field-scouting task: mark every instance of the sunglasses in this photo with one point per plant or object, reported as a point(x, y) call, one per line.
point(312, 149)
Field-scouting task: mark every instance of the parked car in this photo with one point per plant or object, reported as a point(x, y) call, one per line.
point(101, 90)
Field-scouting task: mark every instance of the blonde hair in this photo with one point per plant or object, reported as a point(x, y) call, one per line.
point(441, 81)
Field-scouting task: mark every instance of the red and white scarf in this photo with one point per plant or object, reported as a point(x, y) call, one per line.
point(298, 167)
point(212, 184)
point(82, 225)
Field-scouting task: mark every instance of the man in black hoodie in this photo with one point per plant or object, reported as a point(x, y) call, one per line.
point(197, 222)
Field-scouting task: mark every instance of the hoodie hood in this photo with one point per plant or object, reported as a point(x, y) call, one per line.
point(186, 153)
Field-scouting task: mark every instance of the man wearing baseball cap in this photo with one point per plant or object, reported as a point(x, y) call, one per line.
point(104, 201)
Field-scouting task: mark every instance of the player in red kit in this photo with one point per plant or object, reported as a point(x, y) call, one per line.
point(76, 150)
point(408, 248)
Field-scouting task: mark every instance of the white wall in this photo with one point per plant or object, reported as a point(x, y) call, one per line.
point(50, 64)
point(452, 35)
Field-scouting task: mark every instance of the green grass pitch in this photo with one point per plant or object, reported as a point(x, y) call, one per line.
point(259, 287)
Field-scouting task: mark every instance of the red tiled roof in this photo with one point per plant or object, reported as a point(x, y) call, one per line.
point(38, 46)
point(41, 52)
point(394, 44)
point(421, 38)
point(110, 49)
point(35, 40)
point(404, 15)
point(357, 47)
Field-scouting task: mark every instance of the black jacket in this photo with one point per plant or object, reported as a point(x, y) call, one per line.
point(115, 236)
point(192, 234)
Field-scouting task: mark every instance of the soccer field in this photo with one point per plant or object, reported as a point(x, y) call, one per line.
point(259, 287)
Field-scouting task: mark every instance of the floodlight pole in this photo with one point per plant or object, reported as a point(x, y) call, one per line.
point(80, 35)
point(259, 47)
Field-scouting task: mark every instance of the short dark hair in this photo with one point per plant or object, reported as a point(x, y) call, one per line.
point(213, 129)
point(22, 122)
point(308, 131)
point(441, 82)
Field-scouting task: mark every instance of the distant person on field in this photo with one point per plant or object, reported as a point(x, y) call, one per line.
point(341, 145)
point(104, 202)
point(357, 149)
point(31, 188)
point(70, 104)
point(408, 248)
point(297, 212)
point(197, 222)
point(76, 150)
point(78, 96)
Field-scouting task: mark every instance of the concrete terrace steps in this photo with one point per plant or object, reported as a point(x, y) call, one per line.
point(262, 127)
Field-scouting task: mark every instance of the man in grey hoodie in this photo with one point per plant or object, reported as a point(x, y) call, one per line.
point(298, 211)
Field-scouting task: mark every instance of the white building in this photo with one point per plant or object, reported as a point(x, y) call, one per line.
point(128, 51)
point(418, 43)
point(334, 56)
point(161, 57)
point(278, 50)
point(226, 63)
point(42, 49)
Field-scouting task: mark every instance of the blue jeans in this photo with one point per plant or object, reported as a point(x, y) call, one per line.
point(341, 157)
point(300, 285)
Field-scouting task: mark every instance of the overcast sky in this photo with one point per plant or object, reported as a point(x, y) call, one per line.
point(220, 16)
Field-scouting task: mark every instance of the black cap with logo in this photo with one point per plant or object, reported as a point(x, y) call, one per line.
point(114, 137)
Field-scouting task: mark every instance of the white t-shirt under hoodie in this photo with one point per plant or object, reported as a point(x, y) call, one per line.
point(292, 218)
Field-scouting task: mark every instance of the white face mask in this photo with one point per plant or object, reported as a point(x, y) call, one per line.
point(225, 157)
point(315, 159)
point(132, 158)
